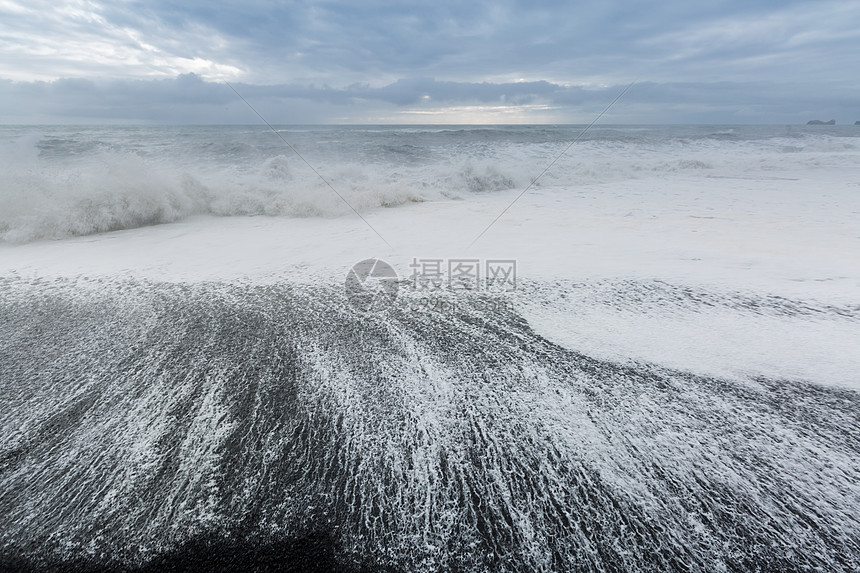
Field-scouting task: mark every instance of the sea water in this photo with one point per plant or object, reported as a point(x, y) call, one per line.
point(670, 384)
point(66, 181)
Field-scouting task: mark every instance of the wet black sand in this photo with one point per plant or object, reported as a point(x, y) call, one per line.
point(210, 427)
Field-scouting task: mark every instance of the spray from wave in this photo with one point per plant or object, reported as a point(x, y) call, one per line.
point(66, 182)
point(106, 190)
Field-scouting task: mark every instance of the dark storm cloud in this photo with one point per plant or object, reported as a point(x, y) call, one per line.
point(191, 99)
point(347, 61)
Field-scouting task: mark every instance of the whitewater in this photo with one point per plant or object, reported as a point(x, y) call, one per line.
point(671, 383)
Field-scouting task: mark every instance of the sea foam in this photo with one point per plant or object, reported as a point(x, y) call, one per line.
point(62, 182)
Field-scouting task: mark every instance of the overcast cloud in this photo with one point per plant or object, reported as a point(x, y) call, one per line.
point(747, 61)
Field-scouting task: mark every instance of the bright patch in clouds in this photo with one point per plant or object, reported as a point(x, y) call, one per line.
point(51, 40)
point(480, 115)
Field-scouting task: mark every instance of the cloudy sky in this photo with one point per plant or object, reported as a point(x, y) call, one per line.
point(370, 61)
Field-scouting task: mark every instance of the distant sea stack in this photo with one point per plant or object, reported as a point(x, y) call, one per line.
point(857, 123)
point(819, 122)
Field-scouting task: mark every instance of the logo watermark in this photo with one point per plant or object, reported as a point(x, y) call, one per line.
point(371, 284)
point(495, 275)
point(433, 283)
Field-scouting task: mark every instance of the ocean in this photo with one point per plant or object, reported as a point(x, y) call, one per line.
point(70, 181)
point(430, 348)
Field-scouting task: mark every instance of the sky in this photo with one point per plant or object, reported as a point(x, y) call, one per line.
point(371, 61)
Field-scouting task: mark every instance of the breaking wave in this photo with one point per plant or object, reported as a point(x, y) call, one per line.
point(123, 191)
point(78, 181)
